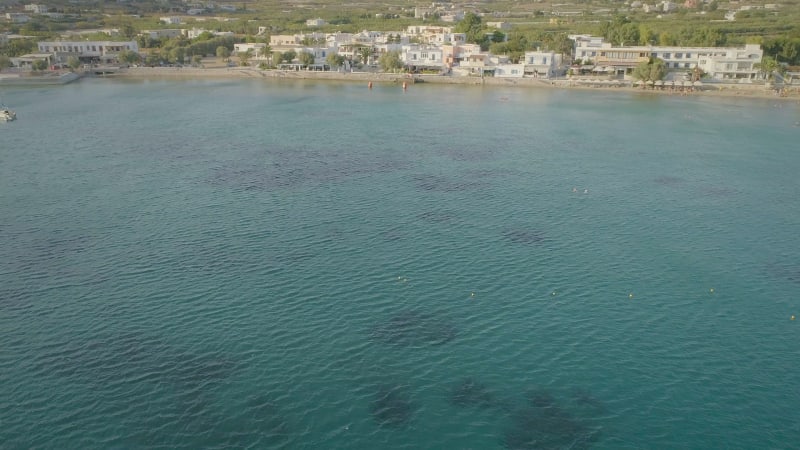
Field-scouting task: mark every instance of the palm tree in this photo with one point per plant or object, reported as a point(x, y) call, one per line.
point(365, 53)
point(768, 67)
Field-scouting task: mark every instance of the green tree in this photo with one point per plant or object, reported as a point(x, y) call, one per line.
point(768, 66)
point(306, 58)
point(559, 43)
point(39, 64)
point(334, 60)
point(127, 31)
point(223, 52)
point(288, 56)
point(73, 62)
point(266, 52)
point(696, 74)
point(177, 55)
point(204, 36)
point(19, 47)
point(5, 62)
point(364, 53)
point(498, 36)
point(471, 25)
point(390, 62)
point(244, 57)
point(128, 57)
point(653, 69)
point(153, 58)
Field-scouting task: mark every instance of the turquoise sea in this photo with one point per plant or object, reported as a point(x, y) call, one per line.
point(315, 265)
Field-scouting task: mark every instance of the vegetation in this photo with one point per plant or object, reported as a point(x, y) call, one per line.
point(534, 25)
point(39, 65)
point(652, 70)
point(390, 62)
point(768, 67)
point(306, 58)
point(223, 53)
point(5, 62)
point(334, 60)
point(73, 63)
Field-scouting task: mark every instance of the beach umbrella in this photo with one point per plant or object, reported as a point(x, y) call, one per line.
point(650, 82)
point(639, 82)
point(698, 83)
point(659, 83)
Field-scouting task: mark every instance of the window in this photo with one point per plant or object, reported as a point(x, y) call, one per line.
point(666, 55)
point(688, 55)
point(686, 65)
point(544, 60)
point(678, 55)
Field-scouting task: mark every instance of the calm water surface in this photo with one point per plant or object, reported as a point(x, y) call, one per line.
point(227, 264)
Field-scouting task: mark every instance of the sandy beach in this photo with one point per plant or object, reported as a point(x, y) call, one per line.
point(756, 90)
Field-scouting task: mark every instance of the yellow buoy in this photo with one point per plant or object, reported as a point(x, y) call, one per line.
point(630, 295)
point(792, 317)
point(711, 290)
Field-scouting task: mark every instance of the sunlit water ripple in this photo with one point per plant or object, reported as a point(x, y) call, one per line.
point(217, 264)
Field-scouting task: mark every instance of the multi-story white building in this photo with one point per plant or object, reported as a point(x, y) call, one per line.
point(87, 51)
point(422, 56)
point(36, 9)
point(720, 63)
point(544, 64)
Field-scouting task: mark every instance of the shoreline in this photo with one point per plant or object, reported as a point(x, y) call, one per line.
point(713, 90)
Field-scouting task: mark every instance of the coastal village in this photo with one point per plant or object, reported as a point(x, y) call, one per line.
point(431, 50)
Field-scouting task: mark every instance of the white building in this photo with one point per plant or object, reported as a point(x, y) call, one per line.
point(87, 51)
point(17, 18)
point(171, 20)
point(719, 63)
point(544, 64)
point(196, 32)
point(166, 33)
point(36, 9)
point(499, 25)
point(255, 48)
point(506, 70)
point(452, 17)
point(423, 56)
point(315, 23)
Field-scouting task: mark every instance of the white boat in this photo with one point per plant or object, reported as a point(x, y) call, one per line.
point(7, 115)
